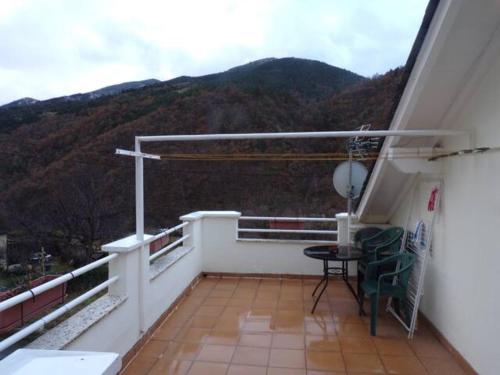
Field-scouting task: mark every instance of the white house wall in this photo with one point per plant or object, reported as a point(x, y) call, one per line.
point(461, 290)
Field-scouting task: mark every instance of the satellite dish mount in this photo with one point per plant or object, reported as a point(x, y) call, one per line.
point(349, 176)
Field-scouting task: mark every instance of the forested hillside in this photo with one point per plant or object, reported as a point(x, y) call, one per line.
point(61, 182)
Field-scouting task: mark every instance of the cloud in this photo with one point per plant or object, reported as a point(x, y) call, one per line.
point(56, 47)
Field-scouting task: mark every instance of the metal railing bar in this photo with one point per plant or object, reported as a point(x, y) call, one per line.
point(53, 283)
point(167, 248)
point(40, 323)
point(284, 135)
point(250, 230)
point(286, 241)
point(168, 231)
point(256, 218)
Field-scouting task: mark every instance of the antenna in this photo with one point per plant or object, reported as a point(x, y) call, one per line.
point(349, 176)
point(348, 180)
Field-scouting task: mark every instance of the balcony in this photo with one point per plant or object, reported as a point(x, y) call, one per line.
point(263, 326)
point(222, 296)
point(215, 298)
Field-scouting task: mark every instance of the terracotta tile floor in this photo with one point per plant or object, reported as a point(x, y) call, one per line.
point(240, 326)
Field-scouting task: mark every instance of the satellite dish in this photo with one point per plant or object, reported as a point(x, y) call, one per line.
point(341, 178)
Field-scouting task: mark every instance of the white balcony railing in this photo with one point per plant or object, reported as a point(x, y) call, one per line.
point(330, 235)
point(170, 246)
point(41, 323)
point(143, 285)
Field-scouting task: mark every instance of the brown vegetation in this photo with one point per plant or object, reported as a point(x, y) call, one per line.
point(61, 179)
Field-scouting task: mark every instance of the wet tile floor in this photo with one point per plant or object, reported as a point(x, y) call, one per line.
point(243, 326)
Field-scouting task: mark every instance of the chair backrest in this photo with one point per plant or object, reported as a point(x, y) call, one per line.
point(365, 233)
point(391, 246)
point(382, 238)
point(407, 260)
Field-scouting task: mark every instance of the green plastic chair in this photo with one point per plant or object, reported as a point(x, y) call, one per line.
point(376, 285)
point(387, 241)
point(382, 244)
point(365, 233)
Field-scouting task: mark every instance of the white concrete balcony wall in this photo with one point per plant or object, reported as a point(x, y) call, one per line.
point(215, 248)
point(222, 252)
point(145, 291)
point(165, 288)
point(120, 329)
point(143, 302)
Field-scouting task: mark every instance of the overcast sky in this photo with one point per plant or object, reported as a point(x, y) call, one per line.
point(51, 48)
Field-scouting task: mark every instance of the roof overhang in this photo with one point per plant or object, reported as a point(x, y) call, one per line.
point(458, 48)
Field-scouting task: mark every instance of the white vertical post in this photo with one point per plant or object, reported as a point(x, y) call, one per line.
point(143, 284)
point(349, 199)
point(143, 263)
point(129, 283)
point(194, 240)
point(342, 228)
point(139, 193)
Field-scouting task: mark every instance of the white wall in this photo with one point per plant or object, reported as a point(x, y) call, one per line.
point(164, 289)
point(121, 329)
point(118, 331)
point(223, 252)
point(461, 290)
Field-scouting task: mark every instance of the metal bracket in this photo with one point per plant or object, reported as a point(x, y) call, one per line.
point(119, 151)
point(414, 160)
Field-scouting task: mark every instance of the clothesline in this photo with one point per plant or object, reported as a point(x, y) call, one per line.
point(332, 156)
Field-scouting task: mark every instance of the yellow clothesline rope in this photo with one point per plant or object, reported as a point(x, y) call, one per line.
point(282, 157)
point(326, 156)
point(262, 157)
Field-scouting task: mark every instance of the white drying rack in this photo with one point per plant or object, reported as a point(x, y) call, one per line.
point(418, 240)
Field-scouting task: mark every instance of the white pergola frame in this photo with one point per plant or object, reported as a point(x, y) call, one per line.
point(139, 156)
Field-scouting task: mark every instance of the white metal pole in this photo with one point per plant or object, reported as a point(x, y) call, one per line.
point(349, 200)
point(139, 192)
point(8, 303)
point(41, 323)
point(329, 134)
point(139, 229)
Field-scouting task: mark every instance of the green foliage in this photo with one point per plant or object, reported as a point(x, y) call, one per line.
point(88, 280)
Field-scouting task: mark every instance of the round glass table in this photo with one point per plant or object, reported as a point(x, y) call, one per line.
point(334, 253)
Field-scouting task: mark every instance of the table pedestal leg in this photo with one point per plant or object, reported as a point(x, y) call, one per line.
point(323, 280)
point(345, 277)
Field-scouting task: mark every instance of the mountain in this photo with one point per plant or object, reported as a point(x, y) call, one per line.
point(308, 80)
point(112, 90)
point(28, 110)
point(61, 180)
point(313, 80)
point(20, 102)
point(108, 90)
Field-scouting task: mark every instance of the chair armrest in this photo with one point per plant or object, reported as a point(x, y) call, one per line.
point(371, 246)
point(373, 266)
point(380, 249)
point(393, 273)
